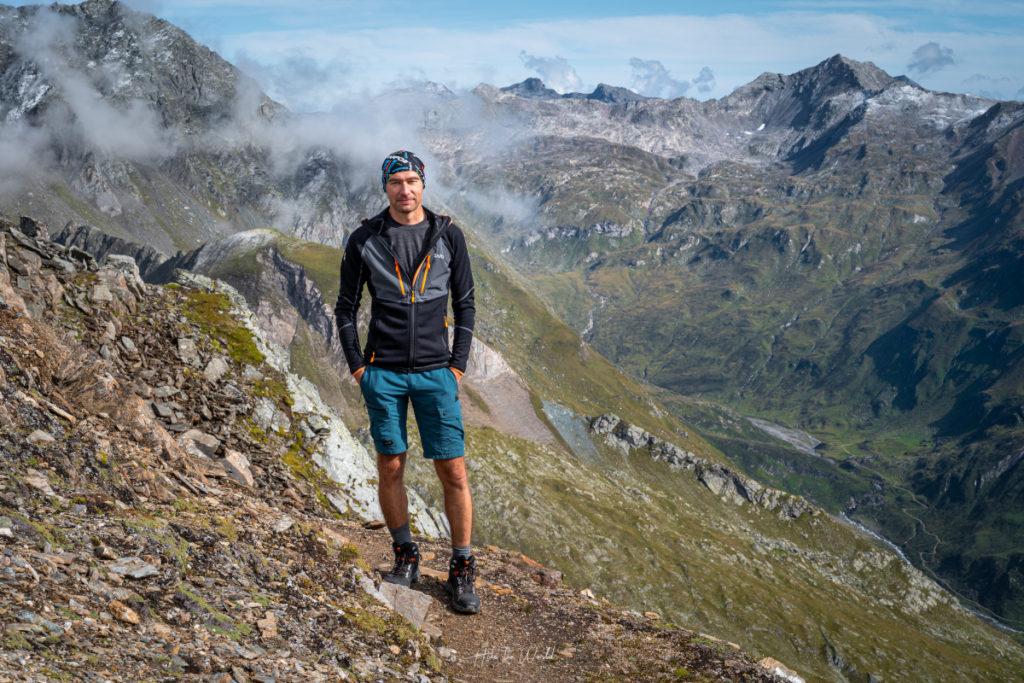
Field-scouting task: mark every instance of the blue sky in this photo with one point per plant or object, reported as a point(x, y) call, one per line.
point(316, 55)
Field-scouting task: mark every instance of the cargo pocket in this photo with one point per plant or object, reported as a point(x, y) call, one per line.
point(383, 429)
point(453, 436)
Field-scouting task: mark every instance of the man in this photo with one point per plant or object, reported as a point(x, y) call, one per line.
point(410, 258)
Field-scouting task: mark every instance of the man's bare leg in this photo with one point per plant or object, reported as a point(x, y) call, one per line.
point(394, 503)
point(458, 502)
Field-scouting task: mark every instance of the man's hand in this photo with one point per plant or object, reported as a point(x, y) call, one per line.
point(458, 374)
point(358, 375)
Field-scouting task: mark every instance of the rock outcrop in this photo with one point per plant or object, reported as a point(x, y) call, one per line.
point(732, 486)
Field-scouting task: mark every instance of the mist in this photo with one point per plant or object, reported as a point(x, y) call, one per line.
point(81, 117)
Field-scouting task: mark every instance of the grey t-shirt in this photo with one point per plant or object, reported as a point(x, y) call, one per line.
point(406, 241)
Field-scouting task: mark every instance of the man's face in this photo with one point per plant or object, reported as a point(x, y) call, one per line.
point(405, 192)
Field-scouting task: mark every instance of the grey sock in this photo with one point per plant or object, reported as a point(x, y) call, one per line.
point(461, 552)
point(401, 535)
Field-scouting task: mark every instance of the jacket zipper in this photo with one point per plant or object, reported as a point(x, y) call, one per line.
point(439, 230)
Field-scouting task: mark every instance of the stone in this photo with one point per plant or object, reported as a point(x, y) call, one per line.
point(100, 294)
point(163, 410)
point(268, 625)
point(33, 228)
point(267, 417)
point(411, 604)
point(208, 444)
point(38, 481)
point(284, 524)
point(188, 352)
point(165, 391)
point(133, 568)
point(39, 437)
point(123, 612)
point(237, 467)
point(129, 346)
point(339, 503)
point(337, 538)
point(215, 369)
point(251, 374)
point(781, 670)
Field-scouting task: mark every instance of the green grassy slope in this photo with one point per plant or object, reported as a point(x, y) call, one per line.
point(811, 592)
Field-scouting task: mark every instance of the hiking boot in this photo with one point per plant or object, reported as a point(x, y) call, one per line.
point(461, 585)
point(407, 565)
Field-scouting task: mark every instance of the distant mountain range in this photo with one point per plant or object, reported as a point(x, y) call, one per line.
point(836, 253)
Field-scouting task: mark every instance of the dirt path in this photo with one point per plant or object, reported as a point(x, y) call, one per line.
point(527, 631)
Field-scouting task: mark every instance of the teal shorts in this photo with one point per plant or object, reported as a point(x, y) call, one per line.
point(435, 401)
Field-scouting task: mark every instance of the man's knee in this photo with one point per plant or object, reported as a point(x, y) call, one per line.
point(452, 473)
point(390, 468)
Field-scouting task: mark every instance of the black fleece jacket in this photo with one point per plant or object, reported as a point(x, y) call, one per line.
point(408, 311)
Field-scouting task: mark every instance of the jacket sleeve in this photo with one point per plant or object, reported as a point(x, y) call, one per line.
point(463, 304)
point(345, 310)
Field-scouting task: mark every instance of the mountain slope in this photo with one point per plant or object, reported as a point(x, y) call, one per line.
point(138, 545)
point(836, 250)
point(594, 497)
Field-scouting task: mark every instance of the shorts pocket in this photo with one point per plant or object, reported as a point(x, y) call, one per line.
point(384, 430)
point(453, 435)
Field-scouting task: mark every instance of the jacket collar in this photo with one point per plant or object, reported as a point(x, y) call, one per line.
point(437, 221)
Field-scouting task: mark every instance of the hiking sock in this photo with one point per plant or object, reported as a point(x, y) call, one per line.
point(401, 535)
point(461, 552)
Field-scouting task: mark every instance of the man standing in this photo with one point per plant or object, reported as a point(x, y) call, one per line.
point(410, 258)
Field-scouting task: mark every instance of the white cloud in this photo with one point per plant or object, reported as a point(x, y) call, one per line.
point(651, 78)
point(931, 57)
point(556, 72)
point(132, 130)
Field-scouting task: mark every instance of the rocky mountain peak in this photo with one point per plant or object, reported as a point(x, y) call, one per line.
point(59, 59)
point(532, 88)
point(614, 94)
point(841, 71)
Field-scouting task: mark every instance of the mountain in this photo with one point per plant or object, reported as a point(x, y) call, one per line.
point(651, 496)
point(580, 467)
point(836, 250)
point(534, 89)
point(174, 504)
point(127, 124)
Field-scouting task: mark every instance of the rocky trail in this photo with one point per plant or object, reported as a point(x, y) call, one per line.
point(161, 518)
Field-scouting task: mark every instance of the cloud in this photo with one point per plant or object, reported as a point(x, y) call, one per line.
point(651, 78)
point(556, 72)
point(297, 80)
point(994, 88)
point(931, 57)
point(22, 149)
point(705, 81)
point(83, 114)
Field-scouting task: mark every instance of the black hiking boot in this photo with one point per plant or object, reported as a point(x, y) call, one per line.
point(407, 565)
point(461, 585)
